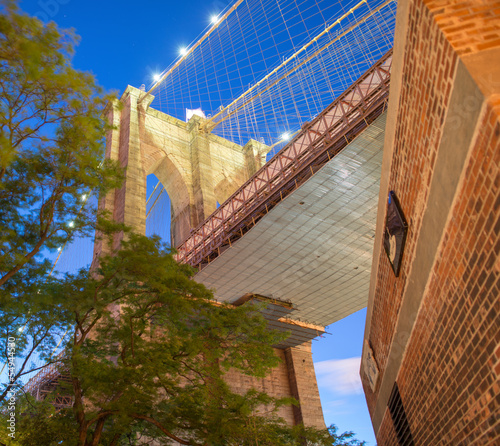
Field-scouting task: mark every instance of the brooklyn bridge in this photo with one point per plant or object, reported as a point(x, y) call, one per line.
point(344, 155)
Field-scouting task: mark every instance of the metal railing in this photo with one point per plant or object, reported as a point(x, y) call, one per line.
point(317, 142)
point(49, 381)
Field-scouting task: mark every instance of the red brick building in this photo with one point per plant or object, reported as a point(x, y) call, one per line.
point(431, 360)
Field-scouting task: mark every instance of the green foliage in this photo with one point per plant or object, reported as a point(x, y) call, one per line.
point(148, 356)
point(344, 439)
point(51, 144)
point(36, 321)
point(51, 153)
point(40, 424)
point(170, 339)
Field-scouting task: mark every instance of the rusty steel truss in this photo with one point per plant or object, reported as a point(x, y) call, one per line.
point(316, 144)
point(50, 382)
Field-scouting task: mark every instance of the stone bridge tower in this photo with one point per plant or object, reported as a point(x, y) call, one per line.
point(197, 169)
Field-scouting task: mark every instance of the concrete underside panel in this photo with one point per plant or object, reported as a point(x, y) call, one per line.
point(315, 248)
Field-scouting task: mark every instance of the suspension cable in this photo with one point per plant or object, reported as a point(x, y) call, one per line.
point(210, 124)
point(190, 50)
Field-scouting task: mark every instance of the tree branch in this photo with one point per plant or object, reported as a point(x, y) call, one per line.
point(160, 426)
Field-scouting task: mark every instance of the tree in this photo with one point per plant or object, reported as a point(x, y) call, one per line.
point(147, 358)
point(36, 327)
point(148, 354)
point(344, 439)
point(51, 159)
point(51, 145)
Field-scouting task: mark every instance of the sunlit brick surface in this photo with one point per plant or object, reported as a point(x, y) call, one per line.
point(423, 102)
point(441, 344)
point(470, 26)
point(447, 374)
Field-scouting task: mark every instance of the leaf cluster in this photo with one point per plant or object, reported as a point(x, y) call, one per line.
point(51, 143)
point(149, 356)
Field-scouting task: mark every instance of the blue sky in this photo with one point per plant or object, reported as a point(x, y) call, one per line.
point(127, 42)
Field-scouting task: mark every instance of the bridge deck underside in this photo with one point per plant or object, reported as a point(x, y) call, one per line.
point(315, 247)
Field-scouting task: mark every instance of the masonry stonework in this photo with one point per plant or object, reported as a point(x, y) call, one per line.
point(294, 377)
point(197, 169)
point(303, 386)
point(435, 329)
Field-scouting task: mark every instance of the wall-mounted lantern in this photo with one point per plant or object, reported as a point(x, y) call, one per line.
point(395, 232)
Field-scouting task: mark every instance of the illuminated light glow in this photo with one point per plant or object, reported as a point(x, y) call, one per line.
point(84, 197)
point(285, 136)
point(59, 248)
point(71, 224)
point(214, 19)
point(156, 77)
point(20, 329)
point(183, 51)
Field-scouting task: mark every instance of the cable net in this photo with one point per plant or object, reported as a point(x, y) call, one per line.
point(275, 59)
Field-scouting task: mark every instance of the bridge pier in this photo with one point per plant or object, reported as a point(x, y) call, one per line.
point(303, 386)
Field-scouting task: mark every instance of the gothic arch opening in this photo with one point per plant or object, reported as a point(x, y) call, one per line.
point(174, 210)
point(158, 210)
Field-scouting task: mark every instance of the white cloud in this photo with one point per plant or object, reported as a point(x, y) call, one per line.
point(340, 376)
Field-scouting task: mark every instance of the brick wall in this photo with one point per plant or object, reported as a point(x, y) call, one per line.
point(424, 98)
point(449, 379)
point(449, 367)
point(447, 375)
point(387, 434)
point(470, 26)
